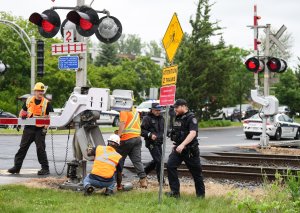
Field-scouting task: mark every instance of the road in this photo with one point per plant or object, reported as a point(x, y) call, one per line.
point(210, 140)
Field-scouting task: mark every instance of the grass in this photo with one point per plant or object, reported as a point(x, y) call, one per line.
point(218, 123)
point(17, 198)
point(56, 132)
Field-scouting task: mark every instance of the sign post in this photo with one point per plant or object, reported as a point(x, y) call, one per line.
point(171, 43)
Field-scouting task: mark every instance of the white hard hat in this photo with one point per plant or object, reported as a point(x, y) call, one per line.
point(114, 138)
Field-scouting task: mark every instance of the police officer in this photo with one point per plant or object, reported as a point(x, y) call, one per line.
point(35, 106)
point(152, 131)
point(184, 135)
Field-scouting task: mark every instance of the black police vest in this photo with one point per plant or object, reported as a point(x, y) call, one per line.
point(181, 130)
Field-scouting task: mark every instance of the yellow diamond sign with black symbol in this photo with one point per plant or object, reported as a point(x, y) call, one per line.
point(173, 38)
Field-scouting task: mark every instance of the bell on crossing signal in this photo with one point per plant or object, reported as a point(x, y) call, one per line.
point(255, 65)
point(276, 65)
point(48, 23)
point(109, 30)
point(86, 20)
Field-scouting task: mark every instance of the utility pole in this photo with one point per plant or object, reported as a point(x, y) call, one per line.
point(33, 59)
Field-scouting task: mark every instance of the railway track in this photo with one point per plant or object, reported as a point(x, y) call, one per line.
point(244, 166)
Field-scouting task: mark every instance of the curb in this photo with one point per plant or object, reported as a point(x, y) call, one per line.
point(220, 128)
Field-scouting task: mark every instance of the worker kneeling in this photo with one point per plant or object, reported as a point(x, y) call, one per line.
point(104, 168)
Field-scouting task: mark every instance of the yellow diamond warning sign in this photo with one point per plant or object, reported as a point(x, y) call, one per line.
point(169, 75)
point(172, 38)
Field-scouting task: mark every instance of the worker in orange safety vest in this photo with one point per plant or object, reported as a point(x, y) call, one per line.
point(104, 169)
point(35, 106)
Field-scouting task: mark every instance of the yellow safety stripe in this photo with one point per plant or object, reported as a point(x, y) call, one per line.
point(132, 121)
point(105, 157)
point(44, 108)
point(132, 131)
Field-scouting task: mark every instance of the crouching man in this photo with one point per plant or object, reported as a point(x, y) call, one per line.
point(104, 168)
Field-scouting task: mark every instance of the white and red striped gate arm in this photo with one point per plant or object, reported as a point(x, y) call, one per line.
point(23, 122)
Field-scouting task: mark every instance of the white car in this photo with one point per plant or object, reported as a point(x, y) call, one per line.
point(278, 126)
point(145, 106)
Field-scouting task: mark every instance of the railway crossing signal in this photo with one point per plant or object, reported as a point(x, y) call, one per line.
point(277, 65)
point(109, 30)
point(48, 23)
point(86, 20)
point(255, 65)
point(40, 58)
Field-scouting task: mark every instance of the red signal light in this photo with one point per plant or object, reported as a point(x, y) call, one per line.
point(277, 65)
point(85, 24)
point(48, 22)
point(254, 65)
point(47, 26)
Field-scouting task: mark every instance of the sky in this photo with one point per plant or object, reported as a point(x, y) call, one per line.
point(150, 18)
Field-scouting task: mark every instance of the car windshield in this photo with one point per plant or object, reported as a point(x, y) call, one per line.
point(144, 105)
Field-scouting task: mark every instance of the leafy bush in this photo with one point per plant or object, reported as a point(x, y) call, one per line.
point(214, 123)
point(282, 195)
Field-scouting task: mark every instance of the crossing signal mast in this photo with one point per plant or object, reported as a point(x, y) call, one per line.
point(85, 104)
point(265, 64)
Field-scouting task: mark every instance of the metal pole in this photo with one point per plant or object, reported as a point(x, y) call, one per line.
point(161, 178)
point(264, 140)
point(255, 29)
point(81, 74)
point(33, 56)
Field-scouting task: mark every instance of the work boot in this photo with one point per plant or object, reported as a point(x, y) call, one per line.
point(108, 192)
point(173, 194)
point(144, 182)
point(14, 170)
point(88, 190)
point(44, 172)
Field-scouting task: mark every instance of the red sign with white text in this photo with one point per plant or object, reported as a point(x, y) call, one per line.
point(167, 95)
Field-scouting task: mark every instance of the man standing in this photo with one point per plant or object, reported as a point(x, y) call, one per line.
point(104, 168)
point(35, 106)
point(153, 131)
point(184, 134)
point(131, 145)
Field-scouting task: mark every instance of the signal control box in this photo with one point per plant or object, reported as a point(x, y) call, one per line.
point(269, 103)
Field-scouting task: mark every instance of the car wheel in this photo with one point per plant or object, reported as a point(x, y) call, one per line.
point(249, 136)
point(277, 135)
point(297, 137)
point(116, 121)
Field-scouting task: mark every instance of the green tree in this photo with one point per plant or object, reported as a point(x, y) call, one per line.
point(153, 49)
point(138, 75)
point(288, 90)
point(200, 75)
point(107, 55)
point(130, 44)
point(16, 81)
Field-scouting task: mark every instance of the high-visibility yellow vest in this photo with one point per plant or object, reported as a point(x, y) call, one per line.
point(34, 110)
point(132, 125)
point(106, 161)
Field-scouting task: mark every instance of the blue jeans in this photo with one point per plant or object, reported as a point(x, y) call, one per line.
point(99, 184)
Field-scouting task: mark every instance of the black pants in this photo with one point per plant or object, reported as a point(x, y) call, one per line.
point(132, 148)
point(29, 135)
point(156, 152)
point(194, 166)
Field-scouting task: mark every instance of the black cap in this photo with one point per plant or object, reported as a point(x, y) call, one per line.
point(180, 102)
point(156, 106)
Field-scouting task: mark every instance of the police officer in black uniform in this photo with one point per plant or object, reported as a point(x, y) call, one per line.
point(152, 131)
point(184, 135)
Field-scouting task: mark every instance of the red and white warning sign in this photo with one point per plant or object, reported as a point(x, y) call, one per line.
point(69, 48)
point(167, 95)
point(22, 122)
